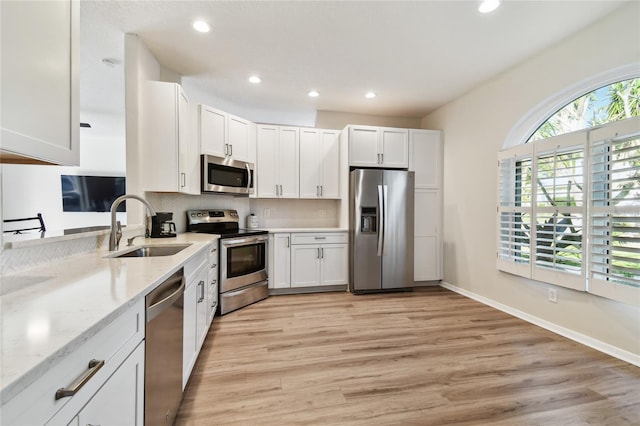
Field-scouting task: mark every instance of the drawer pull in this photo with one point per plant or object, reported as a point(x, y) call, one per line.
point(321, 238)
point(214, 265)
point(94, 366)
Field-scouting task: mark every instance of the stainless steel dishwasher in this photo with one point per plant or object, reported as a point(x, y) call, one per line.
point(163, 351)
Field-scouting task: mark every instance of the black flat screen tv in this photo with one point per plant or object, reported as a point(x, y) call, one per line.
point(91, 193)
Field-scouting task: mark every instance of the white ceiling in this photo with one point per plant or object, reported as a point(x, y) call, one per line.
point(416, 55)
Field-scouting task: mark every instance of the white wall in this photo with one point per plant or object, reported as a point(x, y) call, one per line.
point(31, 189)
point(339, 120)
point(475, 127)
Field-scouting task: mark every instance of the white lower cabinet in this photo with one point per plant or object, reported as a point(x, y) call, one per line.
point(112, 392)
point(121, 400)
point(195, 313)
point(212, 286)
point(280, 260)
point(319, 259)
point(427, 239)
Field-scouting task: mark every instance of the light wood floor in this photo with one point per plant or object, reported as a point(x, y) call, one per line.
point(423, 358)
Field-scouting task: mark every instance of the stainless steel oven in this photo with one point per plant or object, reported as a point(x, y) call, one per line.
point(243, 271)
point(243, 257)
point(227, 176)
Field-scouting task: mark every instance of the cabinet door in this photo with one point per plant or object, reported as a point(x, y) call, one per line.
point(238, 132)
point(330, 153)
point(121, 400)
point(288, 162)
point(394, 147)
point(427, 239)
point(40, 81)
point(280, 275)
point(189, 338)
point(311, 160)
point(305, 265)
point(267, 142)
point(363, 146)
point(188, 151)
point(335, 264)
point(425, 160)
point(213, 131)
point(202, 325)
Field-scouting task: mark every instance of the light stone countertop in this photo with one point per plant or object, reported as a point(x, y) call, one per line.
point(49, 311)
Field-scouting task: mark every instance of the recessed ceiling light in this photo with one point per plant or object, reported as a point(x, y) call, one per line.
point(255, 79)
point(488, 6)
point(201, 26)
point(313, 93)
point(370, 95)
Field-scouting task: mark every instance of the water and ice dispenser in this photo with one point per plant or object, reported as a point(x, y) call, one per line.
point(368, 220)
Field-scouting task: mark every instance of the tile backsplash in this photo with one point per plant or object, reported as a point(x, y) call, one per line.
point(271, 213)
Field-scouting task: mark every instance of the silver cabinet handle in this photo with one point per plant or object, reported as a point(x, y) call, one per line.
point(214, 265)
point(183, 180)
point(382, 158)
point(320, 238)
point(201, 285)
point(230, 150)
point(288, 242)
point(317, 191)
point(226, 149)
point(213, 282)
point(321, 190)
point(281, 190)
point(94, 366)
point(318, 253)
point(321, 253)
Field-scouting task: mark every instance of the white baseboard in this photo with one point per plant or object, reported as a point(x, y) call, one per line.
point(555, 328)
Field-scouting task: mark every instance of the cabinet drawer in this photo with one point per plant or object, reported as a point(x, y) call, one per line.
point(37, 403)
point(319, 238)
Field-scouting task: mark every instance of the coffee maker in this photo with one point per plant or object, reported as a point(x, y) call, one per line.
point(162, 226)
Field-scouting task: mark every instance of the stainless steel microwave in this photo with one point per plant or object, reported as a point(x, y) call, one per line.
point(227, 176)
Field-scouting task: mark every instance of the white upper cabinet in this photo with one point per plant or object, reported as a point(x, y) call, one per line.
point(170, 157)
point(40, 81)
point(223, 134)
point(371, 146)
point(319, 163)
point(426, 157)
point(278, 161)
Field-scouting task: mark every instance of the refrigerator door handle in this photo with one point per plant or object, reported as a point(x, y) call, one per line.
point(380, 220)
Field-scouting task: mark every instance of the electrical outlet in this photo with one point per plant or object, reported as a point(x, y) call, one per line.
point(553, 295)
point(266, 212)
point(321, 213)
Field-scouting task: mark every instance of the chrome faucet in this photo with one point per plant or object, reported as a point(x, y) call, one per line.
point(116, 228)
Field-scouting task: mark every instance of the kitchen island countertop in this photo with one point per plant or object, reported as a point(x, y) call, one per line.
point(49, 311)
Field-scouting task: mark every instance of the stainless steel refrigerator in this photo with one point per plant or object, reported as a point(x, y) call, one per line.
point(381, 230)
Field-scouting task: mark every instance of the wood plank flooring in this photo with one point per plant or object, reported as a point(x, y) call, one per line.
point(429, 357)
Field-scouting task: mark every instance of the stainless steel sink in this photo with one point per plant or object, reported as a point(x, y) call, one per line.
point(152, 250)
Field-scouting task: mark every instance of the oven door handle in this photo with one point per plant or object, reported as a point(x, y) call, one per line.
point(234, 242)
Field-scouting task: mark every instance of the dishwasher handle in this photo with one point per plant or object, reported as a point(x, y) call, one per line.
point(155, 309)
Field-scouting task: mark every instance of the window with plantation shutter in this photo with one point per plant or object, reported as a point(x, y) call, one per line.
point(614, 268)
point(514, 210)
point(569, 210)
point(559, 211)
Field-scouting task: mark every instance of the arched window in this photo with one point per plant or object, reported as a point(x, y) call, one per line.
point(607, 104)
point(569, 202)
